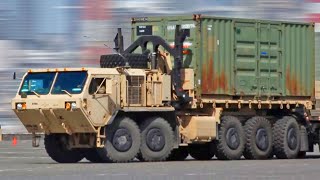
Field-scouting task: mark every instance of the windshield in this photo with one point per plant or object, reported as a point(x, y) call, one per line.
point(37, 82)
point(72, 82)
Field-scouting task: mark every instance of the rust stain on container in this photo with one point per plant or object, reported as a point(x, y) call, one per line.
point(292, 83)
point(211, 80)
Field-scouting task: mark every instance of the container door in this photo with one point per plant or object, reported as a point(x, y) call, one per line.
point(269, 60)
point(246, 66)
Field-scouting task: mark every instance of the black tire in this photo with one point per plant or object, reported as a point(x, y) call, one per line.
point(231, 139)
point(122, 142)
point(179, 154)
point(202, 151)
point(93, 155)
point(258, 133)
point(55, 145)
point(157, 139)
point(286, 138)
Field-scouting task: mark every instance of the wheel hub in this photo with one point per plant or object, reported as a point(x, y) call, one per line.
point(262, 139)
point(155, 139)
point(122, 140)
point(233, 139)
point(292, 139)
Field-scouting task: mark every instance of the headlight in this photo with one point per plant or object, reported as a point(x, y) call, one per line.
point(73, 105)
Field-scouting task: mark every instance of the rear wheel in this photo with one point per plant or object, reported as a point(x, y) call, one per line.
point(122, 141)
point(157, 139)
point(286, 138)
point(202, 151)
point(258, 132)
point(56, 147)
point(230, 143)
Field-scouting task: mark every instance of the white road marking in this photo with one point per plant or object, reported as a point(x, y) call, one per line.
point(191, 174)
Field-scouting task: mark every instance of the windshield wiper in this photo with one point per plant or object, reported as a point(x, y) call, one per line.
point(67, 92)
point(38, 95)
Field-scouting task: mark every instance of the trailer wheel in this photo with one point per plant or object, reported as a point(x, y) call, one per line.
point(202, 151)
point(55, 145)
point(286, 138)
point(122, 141)
point(230, 143)
point(179, 154)
point(93, 155)
point(157, 139)
point(258, 132)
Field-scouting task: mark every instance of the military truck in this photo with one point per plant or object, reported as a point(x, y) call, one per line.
point(187, 85)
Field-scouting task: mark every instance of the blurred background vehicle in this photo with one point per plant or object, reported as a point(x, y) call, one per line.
point(71, 33)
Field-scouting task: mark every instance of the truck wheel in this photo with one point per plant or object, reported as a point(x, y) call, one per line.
point(286, 138)
point(230, 143)
point(55, 145)
point(93, 155)
point(122, 142)
point(202, 151)
point(258, 132)
point(179, 154)
point(157, 139)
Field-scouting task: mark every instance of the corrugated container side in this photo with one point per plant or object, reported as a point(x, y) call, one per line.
point(298, 59)
point(217, 56)
point(244, 57)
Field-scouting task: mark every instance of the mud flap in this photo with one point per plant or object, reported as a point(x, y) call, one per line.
point(304, 146)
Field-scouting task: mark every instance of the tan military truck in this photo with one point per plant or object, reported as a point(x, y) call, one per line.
point(194, 85)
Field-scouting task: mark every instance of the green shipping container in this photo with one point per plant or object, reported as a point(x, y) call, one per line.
point(242, 57)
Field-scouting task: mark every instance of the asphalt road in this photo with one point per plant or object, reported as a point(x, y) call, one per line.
point(24, 162)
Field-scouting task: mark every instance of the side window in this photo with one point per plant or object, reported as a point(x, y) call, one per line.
point(94, 85)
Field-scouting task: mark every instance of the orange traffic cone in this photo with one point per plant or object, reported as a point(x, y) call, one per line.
point(14, 141)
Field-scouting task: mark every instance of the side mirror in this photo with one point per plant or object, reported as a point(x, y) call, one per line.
point(14, 76)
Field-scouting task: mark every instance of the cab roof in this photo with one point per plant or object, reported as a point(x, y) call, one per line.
point(89, 70)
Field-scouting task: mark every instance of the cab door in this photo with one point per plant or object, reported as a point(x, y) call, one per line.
point(101, 99)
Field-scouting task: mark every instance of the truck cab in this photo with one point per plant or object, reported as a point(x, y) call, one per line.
point(77, 108)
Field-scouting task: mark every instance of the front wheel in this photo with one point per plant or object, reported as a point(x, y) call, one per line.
point(56, 147)
point(122, 141)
